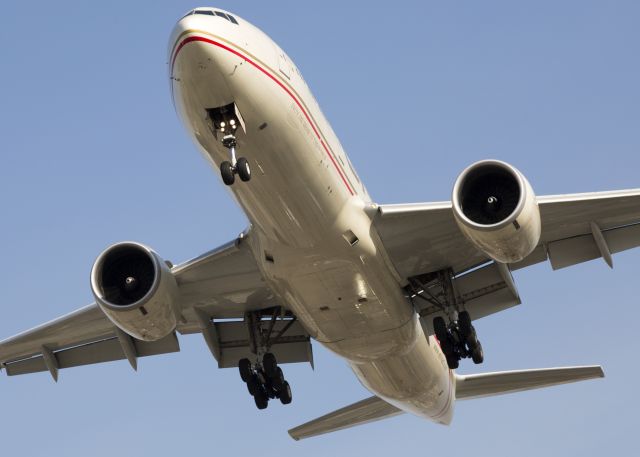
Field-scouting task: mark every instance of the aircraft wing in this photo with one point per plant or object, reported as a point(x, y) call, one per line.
point(424, 238)
point(220, 284)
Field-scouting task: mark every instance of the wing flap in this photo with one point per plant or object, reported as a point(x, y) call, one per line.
point(107, 350)
point(85, 325)
point(499, 383)
point(233, 343)
point(483, 291)
point(365, 411)
point(571, 251)
point(565, 216)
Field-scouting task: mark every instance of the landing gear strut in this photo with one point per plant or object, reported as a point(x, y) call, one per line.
point(458, 338)
point(264, 378)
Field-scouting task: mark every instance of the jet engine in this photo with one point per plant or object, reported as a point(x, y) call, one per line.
point(135, 288)
point(496, 209)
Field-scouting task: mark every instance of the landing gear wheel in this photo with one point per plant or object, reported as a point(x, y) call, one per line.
point(253, 385)
point(472, 341)
point(447, 349)
point(244, 366)
point(477, 354)
point(440, 328)
point(270, 365)
point(285, 393)
point(464, 322)
point(261, 399)
point(278, 379)
point(243, 169)
point(228, 175)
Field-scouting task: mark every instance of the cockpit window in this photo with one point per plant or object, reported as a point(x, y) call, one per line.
point(226, 16)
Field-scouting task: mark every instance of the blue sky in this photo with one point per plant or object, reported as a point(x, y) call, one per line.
point(93, 153)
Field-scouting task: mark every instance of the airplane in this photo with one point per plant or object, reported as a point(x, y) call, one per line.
point(392, 289)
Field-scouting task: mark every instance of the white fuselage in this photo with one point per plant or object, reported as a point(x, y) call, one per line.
point(306, 206)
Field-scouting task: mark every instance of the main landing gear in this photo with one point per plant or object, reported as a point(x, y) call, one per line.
point(457, 338)
point(264, 378)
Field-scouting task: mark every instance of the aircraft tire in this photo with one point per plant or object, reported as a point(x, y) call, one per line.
point(244, 171)
point(270, 365)
point(464, 322)
point(261, 399)
point(440, 328)
point(253, 385)
point(477, 354)
point(226, 171)
point(285, 393)
point(472, 340)
point(278, 379)
point(244, 366)
point(453, 362)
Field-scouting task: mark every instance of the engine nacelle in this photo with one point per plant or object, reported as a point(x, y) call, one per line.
point(135, 288)
point(496, 209)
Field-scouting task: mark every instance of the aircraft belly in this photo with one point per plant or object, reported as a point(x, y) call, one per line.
point(417, 381)
point(314, 241)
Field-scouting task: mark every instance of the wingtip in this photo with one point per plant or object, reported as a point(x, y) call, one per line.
point(596, 371)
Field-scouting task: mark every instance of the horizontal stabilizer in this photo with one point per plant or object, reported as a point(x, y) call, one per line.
point(368, 410)
point(467, 386)
point(489, 384)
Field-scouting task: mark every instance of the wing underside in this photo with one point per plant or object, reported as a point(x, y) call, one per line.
point(422, 239)
point(217, 290)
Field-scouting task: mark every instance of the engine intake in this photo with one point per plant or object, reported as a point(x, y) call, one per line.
point(496, 209)
point(126, 275)
point(136, 290)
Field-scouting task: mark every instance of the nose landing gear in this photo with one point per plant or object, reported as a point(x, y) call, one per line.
point(225, 121)
point(240, 166)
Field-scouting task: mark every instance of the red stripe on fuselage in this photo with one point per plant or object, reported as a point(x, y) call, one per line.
point(279, 83)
